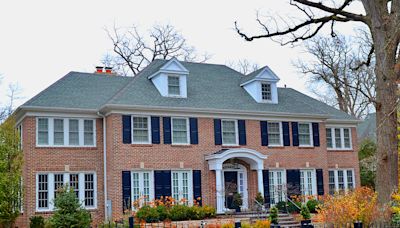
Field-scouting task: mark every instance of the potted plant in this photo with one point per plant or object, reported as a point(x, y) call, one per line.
point(305, 213)
point(259, 201)
point(237, 201)
point(273, 217)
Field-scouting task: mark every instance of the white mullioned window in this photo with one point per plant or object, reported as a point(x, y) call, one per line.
point(341, 180)
point(142, 187)
point(275, 135)
point(338, 138)
point(277, 186)
point(141, 130)
point(308, 182)
point(84, 185)
point(182, 188)
point(266, 93)
point(229, 131)
point(305, 134)
point(174, 85)
point(180, 130)
point(65, 132)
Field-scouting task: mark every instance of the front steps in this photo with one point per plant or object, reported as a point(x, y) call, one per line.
point(285, 220)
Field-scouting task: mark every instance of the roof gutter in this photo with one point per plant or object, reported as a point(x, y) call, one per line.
point(104, 165)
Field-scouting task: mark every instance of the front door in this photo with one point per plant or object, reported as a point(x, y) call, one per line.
point(231, 187)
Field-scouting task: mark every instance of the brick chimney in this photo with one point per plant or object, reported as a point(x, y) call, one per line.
point(99, 69)
point(108, 70)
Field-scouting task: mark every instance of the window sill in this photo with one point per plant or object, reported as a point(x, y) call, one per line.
point(276, 146)
point(340, 150)
point(306, 147)
point(67, 147)
point(181, 145)
point(52, 211)
point(230, 146)
point(141, 145)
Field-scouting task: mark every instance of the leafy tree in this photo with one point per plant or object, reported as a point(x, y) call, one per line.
point(382, 18)
point(10, 173)
point(69, 212)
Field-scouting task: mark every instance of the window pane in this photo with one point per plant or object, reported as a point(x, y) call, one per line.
point(274, 135)
point(73, 132)
point(89, 190)
point(340, 180)
point(350, 182)
point(175, 186)
point(332, 182)
point(43, 129)
point(43, 193)
point(338, 139)
point(58, 132)
point(346, 135)
point(329, 137)
point(58, 183)
point(74, 183)
point(173, 85)
point(88, 132)
point(228, 132)
point(179, 131)
point(266, 91)
point(304, 134)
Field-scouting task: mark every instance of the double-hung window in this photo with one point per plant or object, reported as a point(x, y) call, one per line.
point(48, 185)
point(140, 130)
point(142, 187)
point(338, 138)
point(341, 180)
point(180, 131)
point(182, 186)
point(305, 134)
point(173, 85)
point(266, 94)
point(66, 132)
point(274, 134)
point(229, 132)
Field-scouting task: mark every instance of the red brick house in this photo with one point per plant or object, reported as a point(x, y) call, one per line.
point(180, 129)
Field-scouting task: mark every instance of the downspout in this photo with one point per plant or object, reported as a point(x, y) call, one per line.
point(104, 165)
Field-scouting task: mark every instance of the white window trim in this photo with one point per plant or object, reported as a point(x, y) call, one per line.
point(20, 134)
point(341, 139)
point(280, 134)
point(236, 133)
point(148, 130)
point(336, 176)
point(190, 185)
point(311, 135)
point(180, 86)
point(50, 189)
point(284, 182)
point(66, 132)
point(313, 180)
point(187, 131)
point(141, 186)
point(262, 99)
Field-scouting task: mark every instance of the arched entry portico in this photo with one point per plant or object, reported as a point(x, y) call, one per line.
point(216, 162)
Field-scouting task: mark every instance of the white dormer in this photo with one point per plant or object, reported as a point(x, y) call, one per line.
point(261, 85)
point(171, 79)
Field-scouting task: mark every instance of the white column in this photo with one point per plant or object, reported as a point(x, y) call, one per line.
point(220, 193)
point(260, 183)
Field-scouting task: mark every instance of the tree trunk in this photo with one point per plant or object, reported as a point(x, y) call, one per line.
point(386, 115)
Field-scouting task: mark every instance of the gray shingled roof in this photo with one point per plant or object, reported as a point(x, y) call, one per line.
point(210, 86)
point(367, 129)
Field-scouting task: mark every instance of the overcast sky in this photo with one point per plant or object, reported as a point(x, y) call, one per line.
point(41, 41)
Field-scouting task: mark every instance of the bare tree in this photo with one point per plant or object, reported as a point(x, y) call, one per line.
point(13, 94)
point(134, 50)
point(332, 69)
point(243, 66)
point(382, 17)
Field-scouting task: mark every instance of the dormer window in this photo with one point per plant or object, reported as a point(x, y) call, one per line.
point(266, 91)
point(173, 85)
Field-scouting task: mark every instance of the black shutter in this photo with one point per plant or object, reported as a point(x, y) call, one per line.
point(320, 182)
point(266, 186)
point(167, 130)
point(155, 130)
point(264, 133)
point(126, 190)
point(126, 129)
point(293, 182)
point(197, 186)
point(217, 132)
point(315, 130)
point(242, 132)
point(162, 183)
point(295, 133)
point(194, 138)
point(286, 134)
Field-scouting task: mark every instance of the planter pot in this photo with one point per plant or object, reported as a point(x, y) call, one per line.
point(358, 225)
point(237, 209)
point(306, 223)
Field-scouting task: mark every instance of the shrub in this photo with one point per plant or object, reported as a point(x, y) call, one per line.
point(281, 206)
point(209, 212)
point(237, 200)
point(148, 214)
point(312, 205)
point(36, 222)
point(245, 225)
point(273, 215)
point(305, 213)
point(163, 213)
point(262, 224)
point(259, 198)
point(291, 208)
point(228, 225)
point(69, 211)
point(179, 212)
